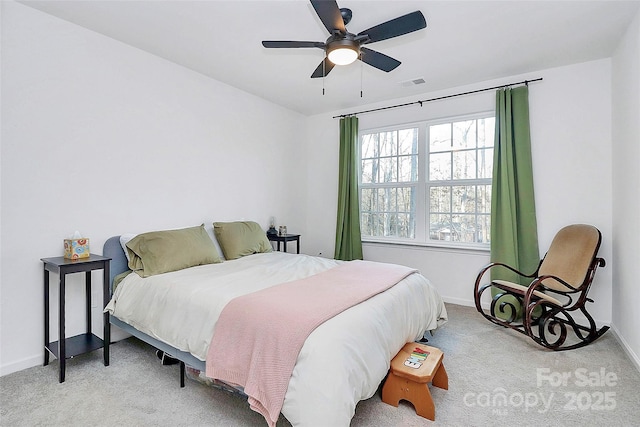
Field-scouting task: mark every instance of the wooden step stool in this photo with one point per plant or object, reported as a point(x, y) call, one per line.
point(410, 382)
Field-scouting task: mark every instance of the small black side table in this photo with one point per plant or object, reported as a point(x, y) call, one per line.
point(284, 239)
point(66, 348)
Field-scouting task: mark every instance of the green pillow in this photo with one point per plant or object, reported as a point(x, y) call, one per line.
point(170, 250)
point(241, 238)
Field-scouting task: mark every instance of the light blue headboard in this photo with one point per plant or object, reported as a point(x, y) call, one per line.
point(119, 263)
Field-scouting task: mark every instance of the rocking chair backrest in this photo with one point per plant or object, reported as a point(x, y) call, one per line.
point(570, 255)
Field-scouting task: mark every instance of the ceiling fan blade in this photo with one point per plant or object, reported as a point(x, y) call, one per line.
point(378, 60)
point(287, 44)
point(325, 66)
point(396, 27)
point(329, 14)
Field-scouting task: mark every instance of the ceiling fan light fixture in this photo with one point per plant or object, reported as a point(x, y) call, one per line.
point(343, 56)
point(343, 52)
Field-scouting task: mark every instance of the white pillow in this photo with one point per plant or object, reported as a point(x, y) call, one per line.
point(124, 239)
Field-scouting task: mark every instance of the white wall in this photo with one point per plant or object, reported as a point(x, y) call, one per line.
point(101, 137)
point(626, 182)
point(570, 112)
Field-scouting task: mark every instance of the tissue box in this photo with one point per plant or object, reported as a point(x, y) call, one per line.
point(76, 248)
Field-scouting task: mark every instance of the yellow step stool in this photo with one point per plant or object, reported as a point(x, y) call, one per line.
point(410, 376)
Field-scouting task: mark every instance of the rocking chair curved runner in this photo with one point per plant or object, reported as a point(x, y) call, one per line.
point(553, 304)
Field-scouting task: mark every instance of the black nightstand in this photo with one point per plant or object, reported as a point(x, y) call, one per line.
point(66, 348)
point(284, 239)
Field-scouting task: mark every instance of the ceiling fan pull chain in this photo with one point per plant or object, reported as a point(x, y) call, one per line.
point(361, 68)
point(323, 73)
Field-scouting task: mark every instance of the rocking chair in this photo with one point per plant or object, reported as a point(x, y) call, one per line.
point(554, 302)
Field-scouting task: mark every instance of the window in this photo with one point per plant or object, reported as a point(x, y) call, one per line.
point(428, 182)
point(389, 174)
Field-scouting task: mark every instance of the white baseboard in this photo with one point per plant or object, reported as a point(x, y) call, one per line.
point(26, 363)
point(635, 359)
point(459, 301)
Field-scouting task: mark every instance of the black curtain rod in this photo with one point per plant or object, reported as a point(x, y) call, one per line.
point(525, 82)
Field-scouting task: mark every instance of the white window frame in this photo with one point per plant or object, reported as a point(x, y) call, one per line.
point(422, 185)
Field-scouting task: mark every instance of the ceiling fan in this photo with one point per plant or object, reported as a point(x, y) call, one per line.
point(343, 47)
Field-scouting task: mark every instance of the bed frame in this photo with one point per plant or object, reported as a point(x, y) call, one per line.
point(119, 264)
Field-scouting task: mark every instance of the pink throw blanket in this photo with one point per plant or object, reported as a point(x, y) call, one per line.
point(258, 336)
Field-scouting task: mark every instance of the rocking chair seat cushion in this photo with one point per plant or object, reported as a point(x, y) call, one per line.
point(521, 290)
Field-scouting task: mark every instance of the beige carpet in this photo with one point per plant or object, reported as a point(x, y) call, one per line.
point(497, 377)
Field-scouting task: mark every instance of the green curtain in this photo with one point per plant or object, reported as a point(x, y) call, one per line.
point(514, 233)
point(348, 238)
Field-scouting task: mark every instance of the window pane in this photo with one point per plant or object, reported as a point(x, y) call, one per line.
point(376, 225)
point(386, 199)
point(369, 171)
point(440, 199)
point(387, 171)
point(366, 224)
point(406, 227)
point(484, 229)
point(465, 228)
point(464, 134)
point(366, 200)
point(408, 141)
point(440, 137)
point(440, 166)
point(390, 224)
point(369, 146)
point(388, 143)
point(406, 199)
point(383, 220)
point(485, 163)
point(464, 165)
point(407, 168)
point(440, 227)
point(486, 132)
point(463, 198)
point(484, 198)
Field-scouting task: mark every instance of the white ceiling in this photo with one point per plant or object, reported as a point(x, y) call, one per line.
point(464, 42)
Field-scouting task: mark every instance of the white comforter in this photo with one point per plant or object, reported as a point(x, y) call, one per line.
point(342, 362)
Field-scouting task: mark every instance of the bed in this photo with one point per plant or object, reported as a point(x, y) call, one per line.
point(341, 362)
